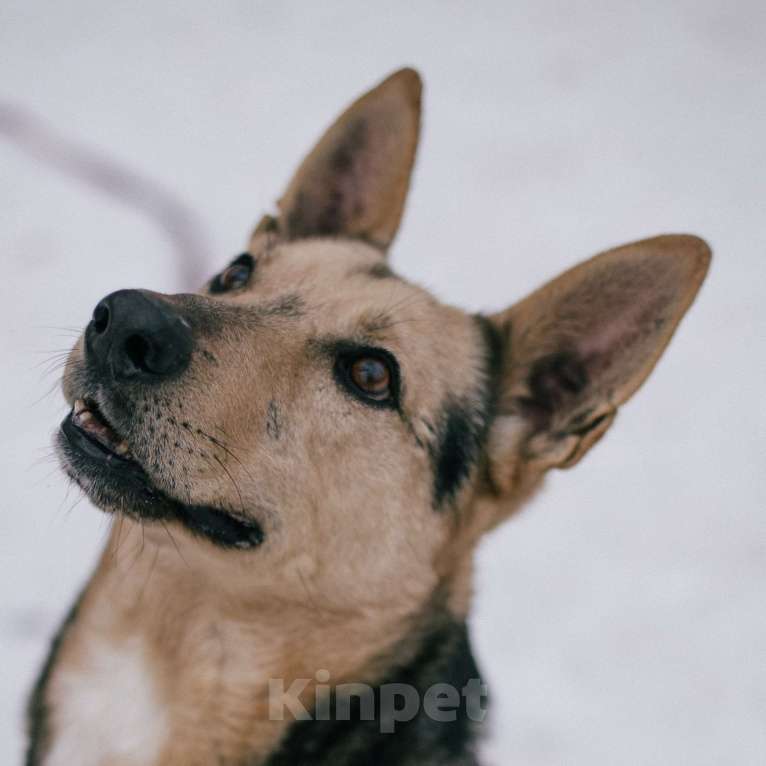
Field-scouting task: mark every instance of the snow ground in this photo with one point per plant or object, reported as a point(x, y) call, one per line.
point(620, 620)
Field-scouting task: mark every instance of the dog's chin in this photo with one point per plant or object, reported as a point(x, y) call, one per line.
point(101, 463)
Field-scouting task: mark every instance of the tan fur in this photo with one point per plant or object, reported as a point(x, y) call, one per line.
point(354, 549)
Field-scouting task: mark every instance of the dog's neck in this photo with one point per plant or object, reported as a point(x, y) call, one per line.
point(207, 663)
point(389, 733)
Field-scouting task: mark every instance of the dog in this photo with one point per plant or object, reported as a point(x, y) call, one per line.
point(300, 460)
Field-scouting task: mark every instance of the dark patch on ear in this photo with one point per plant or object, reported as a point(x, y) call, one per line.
point(553, 382)
point(465, 422)
point(297, 220)
point(330, 219)
point(273, 420)
point(325, 213)
point(342, 158)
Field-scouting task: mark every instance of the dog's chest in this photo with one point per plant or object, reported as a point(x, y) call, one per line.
point(106, 709)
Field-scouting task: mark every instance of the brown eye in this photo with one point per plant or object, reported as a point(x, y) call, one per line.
point(372, 376)
point(236, 275)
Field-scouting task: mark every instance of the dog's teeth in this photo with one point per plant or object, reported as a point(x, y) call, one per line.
point(84, 417)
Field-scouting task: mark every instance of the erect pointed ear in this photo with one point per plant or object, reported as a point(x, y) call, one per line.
point(581, 345)
point(354, 182)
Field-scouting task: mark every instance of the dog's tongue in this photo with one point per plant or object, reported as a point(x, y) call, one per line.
point(87, 418)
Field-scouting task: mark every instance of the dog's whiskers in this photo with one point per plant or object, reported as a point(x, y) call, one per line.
point(119, 524)
point(145, 584)
point(218, 443)
point(173, 540)
point(309, 596)
point(231, 478)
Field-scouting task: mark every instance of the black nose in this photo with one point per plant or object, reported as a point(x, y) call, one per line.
point(135, 335)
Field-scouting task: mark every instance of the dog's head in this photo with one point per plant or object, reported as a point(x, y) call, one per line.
point(311, 415)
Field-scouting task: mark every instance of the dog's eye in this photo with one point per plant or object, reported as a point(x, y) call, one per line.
point(370, 374)
point(236, 275)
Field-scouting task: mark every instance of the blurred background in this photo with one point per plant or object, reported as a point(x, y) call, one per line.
point(622, 617)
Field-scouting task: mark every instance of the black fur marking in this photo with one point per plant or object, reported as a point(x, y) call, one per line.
point(494, 344)
point(457, 450)
point(381, 271)
point(465, 422)
point(273, 420)
point(38, 724)
point(444, 656)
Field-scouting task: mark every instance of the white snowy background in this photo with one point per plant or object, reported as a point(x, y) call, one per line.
point(622, 618)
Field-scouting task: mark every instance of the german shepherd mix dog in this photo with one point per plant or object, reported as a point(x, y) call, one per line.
point(301, 459)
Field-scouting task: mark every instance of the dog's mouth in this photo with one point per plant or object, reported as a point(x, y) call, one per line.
point(100, 460)
point(101, 440)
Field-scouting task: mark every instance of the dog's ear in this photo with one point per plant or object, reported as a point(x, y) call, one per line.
point(354, 182)
point(581, 345)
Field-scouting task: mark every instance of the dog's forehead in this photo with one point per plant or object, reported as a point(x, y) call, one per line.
point(321, 269)
point(323, 259)
point(348, 286)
